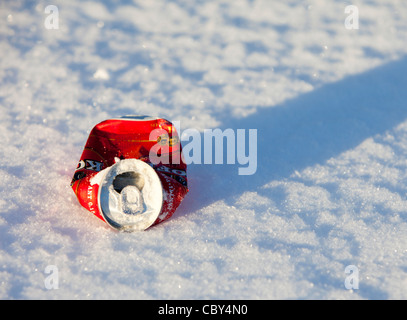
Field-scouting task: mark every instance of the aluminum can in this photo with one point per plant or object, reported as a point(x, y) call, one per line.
point(131, 173)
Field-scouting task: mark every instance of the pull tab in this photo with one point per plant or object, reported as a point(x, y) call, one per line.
point(132, 200)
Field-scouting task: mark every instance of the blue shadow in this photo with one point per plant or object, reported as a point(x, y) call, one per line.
point(307, 130)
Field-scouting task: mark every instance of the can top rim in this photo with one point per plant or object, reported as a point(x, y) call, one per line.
point(111, 203)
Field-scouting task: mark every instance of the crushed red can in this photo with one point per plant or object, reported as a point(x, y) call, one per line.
point(131, 173)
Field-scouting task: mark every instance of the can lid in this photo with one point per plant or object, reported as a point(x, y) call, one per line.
point(130, 195)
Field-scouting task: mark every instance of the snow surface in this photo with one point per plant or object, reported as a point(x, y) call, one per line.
point(329, 105)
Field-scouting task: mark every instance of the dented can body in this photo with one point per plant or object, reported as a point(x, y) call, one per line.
point(131, 173)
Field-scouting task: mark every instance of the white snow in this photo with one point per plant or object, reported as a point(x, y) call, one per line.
point(329, 104)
